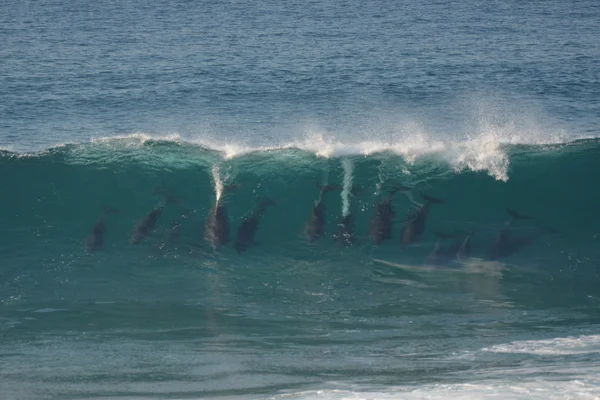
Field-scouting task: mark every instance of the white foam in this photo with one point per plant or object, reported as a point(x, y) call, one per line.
point(136, 139)
point(49, 310)
point(483, 148)
point(348, 167)
point(539, 389)
point(555, 346)
point(216, 174)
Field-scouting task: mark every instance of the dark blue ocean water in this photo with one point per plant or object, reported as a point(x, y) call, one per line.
point(124, 124)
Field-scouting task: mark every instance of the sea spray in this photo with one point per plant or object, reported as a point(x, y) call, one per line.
point(74, 186)
point(216, 174)
point(219, 181)
point(344, 235)
point(216, 231)
point(347, 188)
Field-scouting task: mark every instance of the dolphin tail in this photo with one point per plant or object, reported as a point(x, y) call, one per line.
point(464, 249)
point(516, 215)
point(432, 200)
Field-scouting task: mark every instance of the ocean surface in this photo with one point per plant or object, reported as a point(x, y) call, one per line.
point(299, 200)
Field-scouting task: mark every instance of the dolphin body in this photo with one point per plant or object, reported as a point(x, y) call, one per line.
point(414, 226)
point(505, 244)
point(146, 225)
point(382, 221)
point(344, 235)
point(442, 255)
point(96, 238)
point(245, 234)
point(216, 231)
point(464, 250)
point(172, 233)
point(316, 223)
point(459, 250)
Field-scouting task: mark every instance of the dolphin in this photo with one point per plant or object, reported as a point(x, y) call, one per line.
point(96, 238)
point(245, 234)
point(414, 226)
point(315, 225)
point(216, 231)
point(148, 223)
point(464, 249)
point(344, 235)
point(459, 250)
point(173, 232)
point(441, 255)
point(516, 215)
point(505, 244)
point(383, 219)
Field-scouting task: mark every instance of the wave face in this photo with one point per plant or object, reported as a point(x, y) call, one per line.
point(172, 314)
point(56, 197)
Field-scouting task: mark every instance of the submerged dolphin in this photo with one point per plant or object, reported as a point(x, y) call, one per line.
point(442, 255)
point(505, 244)
point(459, 250)
point(245, 234)
point(316, 223)
point(383, 219)
point(216, 231)
point(414, 226)
point(148, 223)
point(344, 235)
point(96, 238)
point(173, 232)
point(464, 249)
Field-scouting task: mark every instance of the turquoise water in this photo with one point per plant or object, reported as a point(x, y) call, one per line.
point(134, 119)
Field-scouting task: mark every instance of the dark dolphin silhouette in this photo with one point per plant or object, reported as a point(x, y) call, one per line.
point(96, 238)
point(245, 234)
point(382, 220)
point(414, 226)
point(173, 232)
point(439, 255)
point(458, 250)
point(344, 235)
point(464, 249)
point(147, 224)
point(505, 243)
point(216, 231)
point(316, 223)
